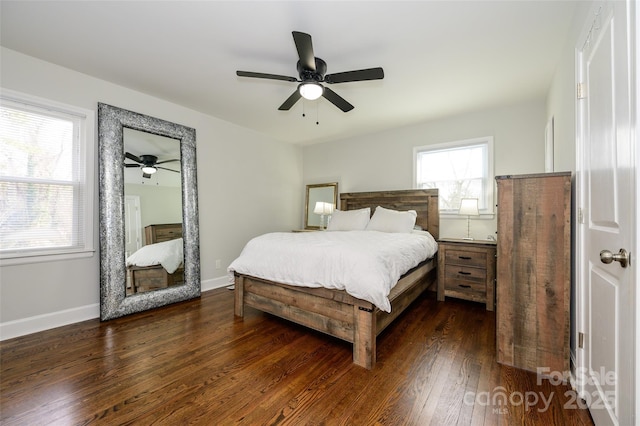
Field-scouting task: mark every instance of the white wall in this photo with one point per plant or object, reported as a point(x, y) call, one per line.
point(385, 160)
point(237, 170)
point(158, 204)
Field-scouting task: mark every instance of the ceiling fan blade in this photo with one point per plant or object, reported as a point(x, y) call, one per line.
point(171, 170)
point(263, 75)
point(131, 165)
point(337, 100)
point(291, 100)
point(305, 50)
point(132, 157)
point(358, 75)
point(167, 161)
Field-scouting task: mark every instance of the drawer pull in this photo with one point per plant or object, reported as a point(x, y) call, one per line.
point(464, 285)
point(464, 257)
point(464, 273)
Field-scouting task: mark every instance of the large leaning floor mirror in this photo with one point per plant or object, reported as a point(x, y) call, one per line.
point(149, 238)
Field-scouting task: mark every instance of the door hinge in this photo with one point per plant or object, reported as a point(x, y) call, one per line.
point(580, 215)
point(581, 340)
point(581, 91)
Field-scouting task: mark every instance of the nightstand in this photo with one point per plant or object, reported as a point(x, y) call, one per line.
point(467, 270)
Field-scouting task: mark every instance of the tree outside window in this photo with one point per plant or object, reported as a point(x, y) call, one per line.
point(459, 170)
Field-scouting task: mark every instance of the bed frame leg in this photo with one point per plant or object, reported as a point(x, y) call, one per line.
point(239, 296)
point(364, 342)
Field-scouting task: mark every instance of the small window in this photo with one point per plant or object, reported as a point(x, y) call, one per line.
point(46, 179)
point(462, 169)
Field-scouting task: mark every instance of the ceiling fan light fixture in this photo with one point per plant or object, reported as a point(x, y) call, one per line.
point(311, 91)
point(149, 170)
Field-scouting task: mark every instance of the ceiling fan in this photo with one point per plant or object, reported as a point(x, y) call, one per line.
point(311, 71)
point(148, 164)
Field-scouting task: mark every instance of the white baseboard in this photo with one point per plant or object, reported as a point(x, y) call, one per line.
point(214, 283)
point(21, 327)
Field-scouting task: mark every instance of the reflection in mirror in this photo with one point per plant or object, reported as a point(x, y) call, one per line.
point(321, 192)
point(152, 211)
point(113, 124)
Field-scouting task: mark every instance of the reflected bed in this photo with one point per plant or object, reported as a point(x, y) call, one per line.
point(159, 264)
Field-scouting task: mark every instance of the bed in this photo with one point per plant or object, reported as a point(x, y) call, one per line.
point(335, 312)
point(158, 264)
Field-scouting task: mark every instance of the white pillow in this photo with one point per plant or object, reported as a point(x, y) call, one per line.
point(386, 220)
point(169, 254)
point(350, 220)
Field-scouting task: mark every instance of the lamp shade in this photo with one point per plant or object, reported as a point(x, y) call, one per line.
point(311, 91)
point(469, 207)
point(323, 208)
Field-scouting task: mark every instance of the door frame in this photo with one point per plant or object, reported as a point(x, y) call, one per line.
point(634, 21)
point(136, 220)
point(633, 14)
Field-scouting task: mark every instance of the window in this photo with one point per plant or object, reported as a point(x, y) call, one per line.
point(46, 179)
point(462, 169)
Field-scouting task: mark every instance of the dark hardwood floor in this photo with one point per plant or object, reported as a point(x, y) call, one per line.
point(195, 363)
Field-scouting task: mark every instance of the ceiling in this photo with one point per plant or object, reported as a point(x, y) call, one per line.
point(440, 58)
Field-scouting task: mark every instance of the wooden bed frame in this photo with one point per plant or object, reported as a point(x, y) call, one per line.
point(335, 312)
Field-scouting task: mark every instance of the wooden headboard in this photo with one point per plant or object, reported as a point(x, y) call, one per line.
point(423, 201)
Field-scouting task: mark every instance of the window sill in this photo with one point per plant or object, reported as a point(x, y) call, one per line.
point(483, 216)
point(49, 257)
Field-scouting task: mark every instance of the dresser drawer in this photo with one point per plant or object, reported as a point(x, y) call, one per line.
point(167, 234)
point(456, 273)
point(470, 287)
point(466, 258)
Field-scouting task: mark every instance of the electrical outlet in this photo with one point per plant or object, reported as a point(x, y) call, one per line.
point(218, 263)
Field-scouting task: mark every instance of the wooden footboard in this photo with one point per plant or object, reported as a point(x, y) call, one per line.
point(148, 278)
point(334, 312)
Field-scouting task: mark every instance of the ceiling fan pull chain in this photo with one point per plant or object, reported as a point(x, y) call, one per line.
point(317, 114)
point(303, 105)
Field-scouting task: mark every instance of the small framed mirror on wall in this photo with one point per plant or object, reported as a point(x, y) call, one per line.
point(315, 214)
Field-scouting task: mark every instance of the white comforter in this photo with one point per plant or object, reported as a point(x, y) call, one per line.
point(169, 254)
point(366, 264)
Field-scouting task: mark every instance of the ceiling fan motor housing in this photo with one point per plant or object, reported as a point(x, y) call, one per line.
point(313, 75)
point(148, 160)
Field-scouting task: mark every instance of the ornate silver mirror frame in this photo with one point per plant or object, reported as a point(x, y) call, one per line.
point(113, 299)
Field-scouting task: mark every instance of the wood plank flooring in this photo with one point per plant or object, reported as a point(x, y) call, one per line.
point(195, 363)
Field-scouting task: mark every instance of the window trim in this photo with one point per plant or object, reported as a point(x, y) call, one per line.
point(86, 134)
point(489, 184)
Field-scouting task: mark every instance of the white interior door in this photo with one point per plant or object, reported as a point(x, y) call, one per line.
point(605, 371)
point(132, 227)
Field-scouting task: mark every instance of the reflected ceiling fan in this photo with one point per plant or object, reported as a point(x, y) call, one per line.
point(311, 71)
point(148, 164)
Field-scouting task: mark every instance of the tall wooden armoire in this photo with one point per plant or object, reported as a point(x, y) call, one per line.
point(533, 282)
